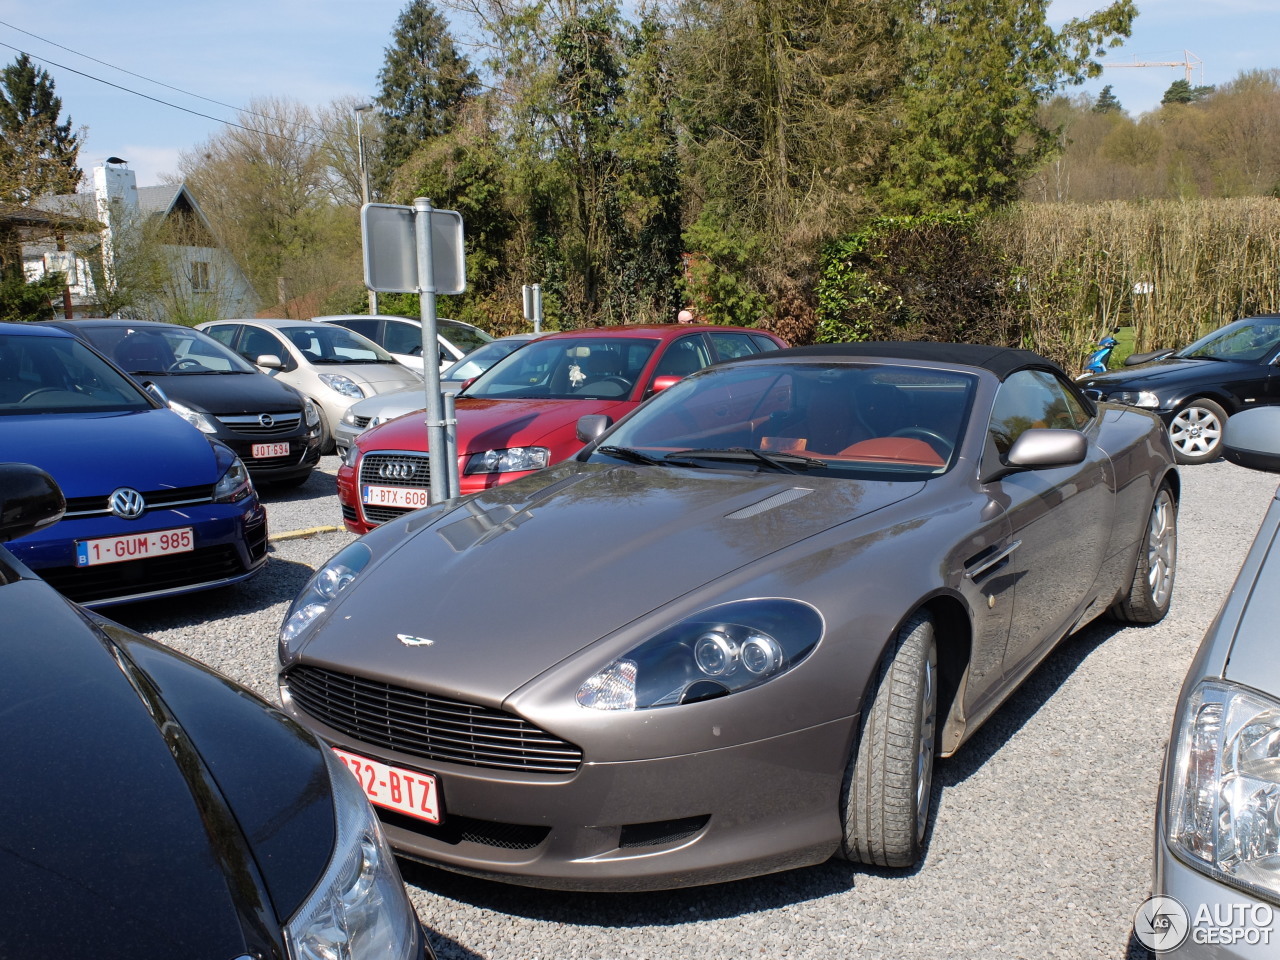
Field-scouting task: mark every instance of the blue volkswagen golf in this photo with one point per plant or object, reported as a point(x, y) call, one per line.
point(154, 508)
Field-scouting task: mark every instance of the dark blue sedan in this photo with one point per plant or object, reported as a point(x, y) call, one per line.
point(154, 508)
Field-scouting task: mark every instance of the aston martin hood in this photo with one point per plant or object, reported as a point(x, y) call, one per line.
point(511, 581)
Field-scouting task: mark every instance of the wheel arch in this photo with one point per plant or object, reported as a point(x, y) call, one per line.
point(953, 637)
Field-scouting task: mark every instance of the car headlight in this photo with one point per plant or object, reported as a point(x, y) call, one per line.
point(1135, 398)
point(311, 412)
point(349, 418)
point(511, 460)
point(194, 417)
point(728, 648)
point(234, 485)
point(1223, 812)
point(343, 385)
point(321, 590)
point(359, 909)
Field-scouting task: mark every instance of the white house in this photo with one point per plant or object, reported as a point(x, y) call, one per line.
point(200, 278)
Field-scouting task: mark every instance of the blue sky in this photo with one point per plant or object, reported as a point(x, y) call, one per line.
point(315, 51)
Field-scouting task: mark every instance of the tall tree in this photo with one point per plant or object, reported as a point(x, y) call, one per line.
point(38, 150)
point(1181, 91)
point(969, 132)
point(1107, 102)
point(423, 85)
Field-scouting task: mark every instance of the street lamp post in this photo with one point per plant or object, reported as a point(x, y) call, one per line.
point(364, 182)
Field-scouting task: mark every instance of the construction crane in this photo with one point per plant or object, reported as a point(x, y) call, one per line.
point(1189, 62)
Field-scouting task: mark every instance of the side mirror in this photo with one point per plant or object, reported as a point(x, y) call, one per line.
point(269, 361)
point(661, 383)
point(1040, 448)
point(29, 499)
point(153, 388)
point(592, 425)
point(1252, 439)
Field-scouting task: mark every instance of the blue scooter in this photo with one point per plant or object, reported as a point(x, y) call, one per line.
point(1097, 362)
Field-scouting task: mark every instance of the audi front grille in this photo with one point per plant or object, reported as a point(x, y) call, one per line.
point(393, 469)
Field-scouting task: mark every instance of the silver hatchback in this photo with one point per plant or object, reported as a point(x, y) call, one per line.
point(333, 366)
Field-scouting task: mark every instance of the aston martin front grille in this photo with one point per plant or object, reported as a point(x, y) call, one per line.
point(428, 726)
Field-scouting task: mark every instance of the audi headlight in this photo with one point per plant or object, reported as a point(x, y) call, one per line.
point(722, 650)
point(350, 456)
point(1135, 398)
point(234, 485)
point(321, 590)
point(343, 385)
point(511, 460)
point(1223, 812)
point(194, 417)
point(359, 909)
point(311, 412)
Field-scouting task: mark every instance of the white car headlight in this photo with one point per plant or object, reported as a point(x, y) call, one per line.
point(359, 909)
point(1136, 398)
point(343, 385)
point(1223, 813)
point(234, 485)
point(720, 651)
point(194, 417)
point(321, 590)
point(511, 460)
point(311, 412)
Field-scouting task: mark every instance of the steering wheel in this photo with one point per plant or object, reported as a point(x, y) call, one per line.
point(187, 364)
point(39, 390)
point(936, 440)
point(622, 382)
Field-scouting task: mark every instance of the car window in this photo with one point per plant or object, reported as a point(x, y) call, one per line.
point(730, 345)
point(224, 333)
point(403, 338)
point(1032, 398)
point(763, 344)
point(60, 375)
point(1246, 340)
point(683, 357)
point(366, 328)
point(256, 342)
point(329, 344)
point(568, 368)
point(465, 338)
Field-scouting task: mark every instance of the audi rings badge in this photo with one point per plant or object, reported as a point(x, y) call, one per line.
point(397, 471)
point(126, 503)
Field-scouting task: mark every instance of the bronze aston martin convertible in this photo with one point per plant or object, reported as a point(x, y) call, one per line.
point(731, 635)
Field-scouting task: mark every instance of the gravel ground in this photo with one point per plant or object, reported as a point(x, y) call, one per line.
point(1041, 843)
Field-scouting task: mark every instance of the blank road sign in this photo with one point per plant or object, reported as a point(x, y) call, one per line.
point(391, 250)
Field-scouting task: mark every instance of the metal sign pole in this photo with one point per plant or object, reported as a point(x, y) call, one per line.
point(437, 442)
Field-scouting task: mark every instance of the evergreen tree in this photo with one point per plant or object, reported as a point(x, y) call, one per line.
point(38, 154)
point(1181, 91)
point(424, 84)
point(1107, 102)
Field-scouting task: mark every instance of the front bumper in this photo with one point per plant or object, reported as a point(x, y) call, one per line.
point(669, 822)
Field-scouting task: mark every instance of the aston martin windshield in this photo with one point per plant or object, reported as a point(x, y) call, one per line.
point(851, 419)
point(567, 369)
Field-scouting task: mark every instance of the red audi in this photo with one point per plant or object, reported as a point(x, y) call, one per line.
point(521, 414)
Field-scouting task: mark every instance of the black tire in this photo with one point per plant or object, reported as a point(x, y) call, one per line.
point(885, 802)
point(1151, 591)
point(1196, 431)
point(327, 443)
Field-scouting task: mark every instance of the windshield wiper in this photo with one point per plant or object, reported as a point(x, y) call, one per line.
point(630, 455)
point(783, 462)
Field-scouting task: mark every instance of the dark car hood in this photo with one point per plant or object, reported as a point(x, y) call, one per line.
point(565, 556)
point(227, 394)
point(495, 424)
point(104, 849)
point(1158, 373)
point(89, 454)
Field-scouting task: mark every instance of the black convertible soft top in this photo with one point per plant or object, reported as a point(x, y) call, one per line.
point(1001, 361)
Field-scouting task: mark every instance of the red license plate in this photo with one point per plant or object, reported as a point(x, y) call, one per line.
point(405, 791)
point(90, 553)
point(270, 450)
